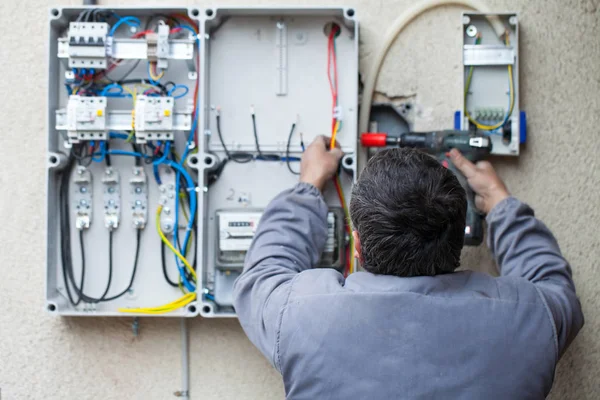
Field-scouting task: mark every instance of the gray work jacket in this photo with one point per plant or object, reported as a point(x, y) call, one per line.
point(462, 335)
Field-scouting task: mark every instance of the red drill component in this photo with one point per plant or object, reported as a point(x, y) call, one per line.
point(373, 139)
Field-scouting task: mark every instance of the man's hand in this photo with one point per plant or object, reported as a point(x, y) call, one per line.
point(487, 185)
point(319, 164)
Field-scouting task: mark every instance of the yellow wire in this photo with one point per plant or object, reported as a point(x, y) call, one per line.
point(512, 96)
point(174, 305)
point(155, 77)
point(334, 134)
point(343, 199)
point(170, 246)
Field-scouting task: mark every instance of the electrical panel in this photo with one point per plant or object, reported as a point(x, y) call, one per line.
point(169, 131)
point(491, 80)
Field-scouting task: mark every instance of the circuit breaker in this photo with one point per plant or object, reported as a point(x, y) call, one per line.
point(170, 130)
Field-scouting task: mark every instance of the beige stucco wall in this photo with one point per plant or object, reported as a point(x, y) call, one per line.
point(42, 357)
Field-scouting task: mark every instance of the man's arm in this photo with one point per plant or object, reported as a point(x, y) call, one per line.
point(524, 247)
point(290, 237)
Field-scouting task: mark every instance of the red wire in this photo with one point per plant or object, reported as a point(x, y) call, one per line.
point(140, 34)
point(188, 20)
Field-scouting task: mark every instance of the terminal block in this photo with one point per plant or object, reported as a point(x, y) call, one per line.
point(139, 198)
point(87, 45)
point(158, 46)
point(86, 118)
point(112, 198)
point(153, 118)
point(82, 197)
point(167, 200)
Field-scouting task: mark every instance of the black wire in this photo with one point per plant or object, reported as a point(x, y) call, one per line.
point(164, 265)
point(125, 75)
point(84, 160)
point(107, 156)
point(136, 149)
point(135, 265)
point(65, 245)
point(238, 157)
point(287, 150)
point(268, 157)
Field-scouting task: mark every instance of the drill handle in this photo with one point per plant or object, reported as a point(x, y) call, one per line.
point(474, 219)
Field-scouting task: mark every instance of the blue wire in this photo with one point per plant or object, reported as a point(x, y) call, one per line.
point(126, 153)
point(131, 21)
point(174, 88)
point(102, 152)
point(69, 90)
point(117, 135)
point(193, 200)
point(209, 296)
point(107, 91)
point(165, 154)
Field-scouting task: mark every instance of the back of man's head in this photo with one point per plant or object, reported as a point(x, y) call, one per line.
point(409, 212)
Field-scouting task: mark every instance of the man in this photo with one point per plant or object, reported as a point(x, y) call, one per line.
point(408, 326)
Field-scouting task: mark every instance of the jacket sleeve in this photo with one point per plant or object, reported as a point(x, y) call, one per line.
point(290, 238)
point(524, 247)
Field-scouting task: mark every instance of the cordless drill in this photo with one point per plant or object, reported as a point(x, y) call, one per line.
point(474, 148)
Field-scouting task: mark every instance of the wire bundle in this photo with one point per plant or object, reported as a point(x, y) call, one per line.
point(332, 76)
point(92, 83)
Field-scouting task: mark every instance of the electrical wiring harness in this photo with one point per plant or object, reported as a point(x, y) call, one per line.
point(91, 83)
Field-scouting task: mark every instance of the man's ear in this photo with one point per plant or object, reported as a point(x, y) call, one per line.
point(357, 248)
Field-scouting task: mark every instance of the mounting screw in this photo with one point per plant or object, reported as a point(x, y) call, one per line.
point(83, 189)
point(138, 203)
point(109, 172)
point(83, 203)
point(167, 210)
point(136, 171)
point(138, 190)
point(111, 189)
point(471, 31)
point(167, 227)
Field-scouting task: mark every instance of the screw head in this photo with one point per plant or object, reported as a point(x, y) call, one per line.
point(111, 189)
point(83, 189)
point(138, 203)
point(109, 172)
point(138, 190)
point(136, 172)
point(83, 202)
point(111, 202)
point(167, 227)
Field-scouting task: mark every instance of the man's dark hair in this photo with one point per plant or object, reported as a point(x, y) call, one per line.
point(409, 212)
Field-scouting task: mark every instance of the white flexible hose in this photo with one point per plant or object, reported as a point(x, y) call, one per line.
point(398, 26)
